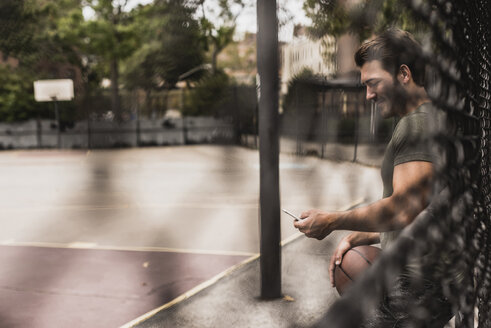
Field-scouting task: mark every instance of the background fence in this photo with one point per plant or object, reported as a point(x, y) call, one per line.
point(324, 118)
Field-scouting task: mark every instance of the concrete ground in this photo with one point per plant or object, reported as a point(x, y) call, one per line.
point(119, 233)
point(234, 301)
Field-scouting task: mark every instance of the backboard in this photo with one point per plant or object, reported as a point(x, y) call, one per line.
point(53, 90)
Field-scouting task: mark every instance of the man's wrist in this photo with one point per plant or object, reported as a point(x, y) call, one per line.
point(335, 220)
point(350, 239)
point(331, 221)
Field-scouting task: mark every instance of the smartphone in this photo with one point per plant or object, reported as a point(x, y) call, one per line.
point(293, 216)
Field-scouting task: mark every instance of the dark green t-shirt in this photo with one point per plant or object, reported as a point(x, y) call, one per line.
point(411, 141)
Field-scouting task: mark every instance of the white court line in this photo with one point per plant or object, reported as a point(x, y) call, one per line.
point(89, 245)
point(94, 246)
point(67, 207)
point(196, 205)
point(218, 277)
point(190, 293)
point(132, 206)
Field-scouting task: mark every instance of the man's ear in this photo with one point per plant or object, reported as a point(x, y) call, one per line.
point(404, 75)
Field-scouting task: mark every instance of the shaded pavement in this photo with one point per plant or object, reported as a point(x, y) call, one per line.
point(100, 238)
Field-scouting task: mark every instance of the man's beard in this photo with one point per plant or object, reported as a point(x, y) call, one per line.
point(395, 103)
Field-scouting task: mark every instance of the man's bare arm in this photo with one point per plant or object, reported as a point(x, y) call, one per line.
point(412, 187)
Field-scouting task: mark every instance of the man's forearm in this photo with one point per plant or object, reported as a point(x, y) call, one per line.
point(359, 238)
point(392, 213)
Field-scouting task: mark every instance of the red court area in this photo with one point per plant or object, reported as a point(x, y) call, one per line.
point(65, 287)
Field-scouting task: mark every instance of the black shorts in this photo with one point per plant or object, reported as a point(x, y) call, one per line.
point(409, 304)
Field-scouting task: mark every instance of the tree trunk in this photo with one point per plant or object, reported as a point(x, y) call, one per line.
point(214, 56)
point(148, 108)
point(115, 101)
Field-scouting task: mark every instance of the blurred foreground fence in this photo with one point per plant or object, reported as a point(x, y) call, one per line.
point(453, 235)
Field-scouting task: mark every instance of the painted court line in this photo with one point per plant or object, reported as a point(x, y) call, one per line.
point(221, 275)
point(246, 206)
point(94, 246)
point(190, 293)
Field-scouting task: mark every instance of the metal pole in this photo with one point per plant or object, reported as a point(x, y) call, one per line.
point(39, 132)
point(138, 141)
point(87, 112)
point(58, 132)
point(324, 124)
point(357, 123)
point(267, 64)
point(256, 123)
point(335, 119)
point(298, 149)
point(237, 122)
point(184, 130)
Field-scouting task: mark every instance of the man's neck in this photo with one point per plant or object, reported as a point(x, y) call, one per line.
point(420, 97)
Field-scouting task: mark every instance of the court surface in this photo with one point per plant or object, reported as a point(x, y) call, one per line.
point(99, 238)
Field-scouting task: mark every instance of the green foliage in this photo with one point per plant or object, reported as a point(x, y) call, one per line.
point(171, 44)
point(300, 96)
point(328, 17)
point(208, 95)
point(17, 97)
point(110, 34)
point(336, 17)
point(237, 59)
point(15, 27)
point(36, 33)
point(219, 32)
point(153, 44)
point(31, 29)
point(110, 38)
point(50, 42)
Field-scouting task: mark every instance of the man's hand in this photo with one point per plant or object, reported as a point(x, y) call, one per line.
point(337, 257)
point(352, 240)
point(315, 224)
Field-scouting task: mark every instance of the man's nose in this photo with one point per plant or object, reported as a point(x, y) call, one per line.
point(371, 95)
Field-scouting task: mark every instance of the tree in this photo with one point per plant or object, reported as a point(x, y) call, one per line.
point(363, 18)
point(110, 37)
point(219, 36)
point(32, 30)
point(171, 44)
point(234, 59)
point(31, 33)
point(15, 27)
point(16, 96)
point(208, 96)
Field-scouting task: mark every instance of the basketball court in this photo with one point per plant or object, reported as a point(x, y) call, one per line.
point(99, 238)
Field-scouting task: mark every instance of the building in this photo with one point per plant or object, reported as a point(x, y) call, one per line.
point(318, 56)
point(329, 57)
point(347, 44)
point(238, 59)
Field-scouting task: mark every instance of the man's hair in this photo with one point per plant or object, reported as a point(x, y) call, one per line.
point(394, 48)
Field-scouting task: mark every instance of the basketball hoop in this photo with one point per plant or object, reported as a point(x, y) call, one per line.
point(53, 90)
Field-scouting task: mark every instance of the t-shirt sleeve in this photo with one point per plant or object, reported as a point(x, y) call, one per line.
point(412, 140)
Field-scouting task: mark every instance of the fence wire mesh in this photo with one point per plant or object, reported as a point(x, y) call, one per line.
point(457, 223)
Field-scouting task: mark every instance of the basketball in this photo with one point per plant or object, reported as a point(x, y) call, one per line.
point(355, 262)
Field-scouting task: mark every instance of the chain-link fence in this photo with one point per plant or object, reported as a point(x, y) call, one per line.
point(332, 119)
point(155, 119)
point(328, 119)
point(457, 224)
